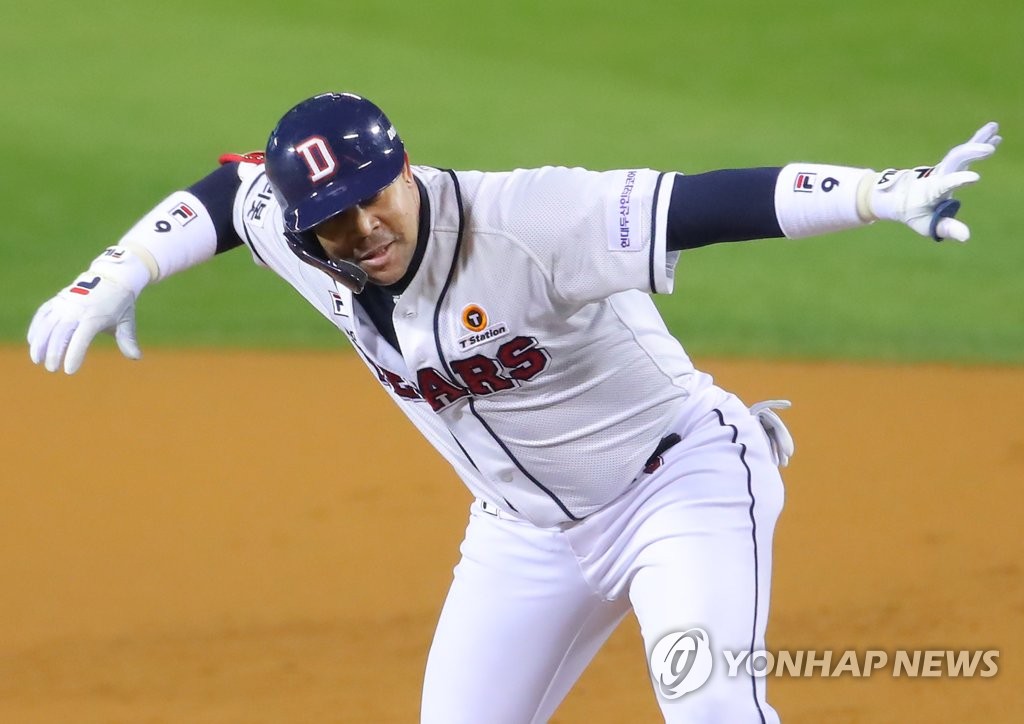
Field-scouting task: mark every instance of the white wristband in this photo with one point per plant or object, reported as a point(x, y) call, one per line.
point(177, 234)
point(812, 198)
point(125, 266)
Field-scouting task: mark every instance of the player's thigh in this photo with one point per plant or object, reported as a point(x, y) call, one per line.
point(593, 631)
point(725, 598)
point(518, 627)
point(707, 562)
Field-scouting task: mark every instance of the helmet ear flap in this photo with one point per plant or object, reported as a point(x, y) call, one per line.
point(307, 247)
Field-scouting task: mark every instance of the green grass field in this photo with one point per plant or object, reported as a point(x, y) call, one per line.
point(110, 106)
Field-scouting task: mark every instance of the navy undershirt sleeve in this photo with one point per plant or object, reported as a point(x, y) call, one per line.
point(728, 205)
point(217, 192)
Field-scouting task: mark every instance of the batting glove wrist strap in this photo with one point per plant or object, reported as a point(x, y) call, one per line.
point(919, 197)
point(127, 265)
point(812, 199)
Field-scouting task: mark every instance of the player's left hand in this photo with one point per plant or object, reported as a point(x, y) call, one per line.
point(779, 438)
point(920, 197)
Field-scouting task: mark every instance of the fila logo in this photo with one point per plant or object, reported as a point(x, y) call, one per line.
point(804, 182)
point(183, 213)
point(318, 157)
point(339, 305)
point(84, 287)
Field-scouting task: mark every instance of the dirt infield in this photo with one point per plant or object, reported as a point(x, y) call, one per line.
point(206, 537)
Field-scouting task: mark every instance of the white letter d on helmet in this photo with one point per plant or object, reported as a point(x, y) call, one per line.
point(317, 155)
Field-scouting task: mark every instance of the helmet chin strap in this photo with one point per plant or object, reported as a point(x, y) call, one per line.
point(347, 273)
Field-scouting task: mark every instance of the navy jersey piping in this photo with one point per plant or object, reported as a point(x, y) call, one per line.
point(464, 451)
point(654, 229)
point(444, 362)
point(753, 535)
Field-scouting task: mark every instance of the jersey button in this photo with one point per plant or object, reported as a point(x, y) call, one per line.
point(506, 476)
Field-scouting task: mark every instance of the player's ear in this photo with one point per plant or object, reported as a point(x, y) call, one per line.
point(406, 169)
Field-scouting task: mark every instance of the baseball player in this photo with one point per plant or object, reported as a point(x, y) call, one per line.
point(509, 316)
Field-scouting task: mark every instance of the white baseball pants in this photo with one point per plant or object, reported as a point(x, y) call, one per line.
point(687, 546)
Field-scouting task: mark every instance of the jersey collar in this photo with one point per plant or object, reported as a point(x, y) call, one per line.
point(422, 234)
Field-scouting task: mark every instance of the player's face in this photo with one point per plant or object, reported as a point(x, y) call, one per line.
point(378, 234)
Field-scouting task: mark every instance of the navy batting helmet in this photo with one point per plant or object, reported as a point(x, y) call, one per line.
point(326, 155)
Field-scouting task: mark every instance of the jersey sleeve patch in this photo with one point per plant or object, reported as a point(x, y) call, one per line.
point(625, 217)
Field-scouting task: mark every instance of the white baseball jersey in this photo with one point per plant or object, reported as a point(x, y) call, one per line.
point(532, 356)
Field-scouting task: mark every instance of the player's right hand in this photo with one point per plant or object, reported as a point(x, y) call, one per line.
point(64, 326)
point(779, 438)
point(914, 196)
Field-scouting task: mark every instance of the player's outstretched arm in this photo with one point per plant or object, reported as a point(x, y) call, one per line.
point(185, 229)
point(810, 199)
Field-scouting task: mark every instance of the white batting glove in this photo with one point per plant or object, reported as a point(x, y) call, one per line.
point(920, 197)
point(779, 439)
point(102, 299)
